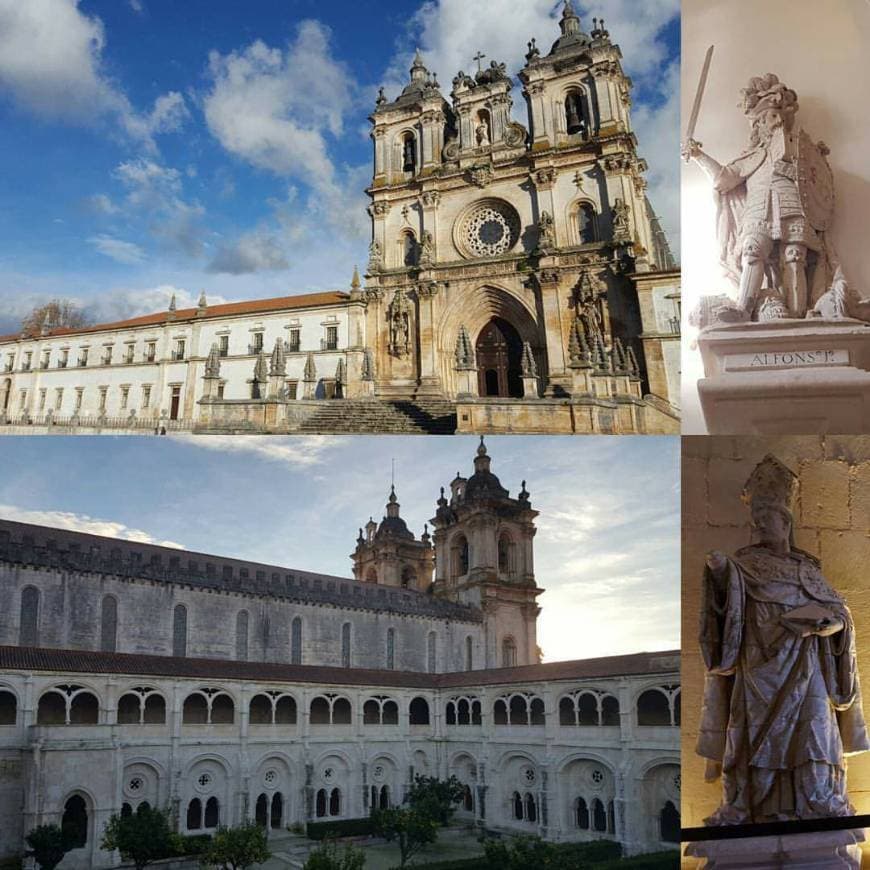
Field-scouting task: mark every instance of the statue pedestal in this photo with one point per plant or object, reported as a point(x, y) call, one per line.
point(816, 849)
point(786, 377)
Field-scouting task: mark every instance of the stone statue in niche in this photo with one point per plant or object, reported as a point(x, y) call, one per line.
point(482, 133)
point(427, 248)
point(774, 205)
point(782, 702)
point(399, 324)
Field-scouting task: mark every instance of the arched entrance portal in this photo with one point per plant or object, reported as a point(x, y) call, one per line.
point(499, 354)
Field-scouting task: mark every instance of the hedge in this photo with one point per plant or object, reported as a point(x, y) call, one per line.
point(340, 828)
point(653, 861)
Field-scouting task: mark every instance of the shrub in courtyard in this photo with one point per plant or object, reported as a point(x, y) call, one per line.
point(48, 844)
point(328, 856)
point(141, 837)
point(237, 848)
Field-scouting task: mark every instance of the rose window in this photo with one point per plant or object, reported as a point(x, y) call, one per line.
point(378, 772)
point(270, 777)
point(489, 229)
point(328, 773)
point(597, 777)
point(529, 775)
point(204, 781)
point(135, 783)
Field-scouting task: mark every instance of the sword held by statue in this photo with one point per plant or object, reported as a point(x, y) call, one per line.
point(696, 106)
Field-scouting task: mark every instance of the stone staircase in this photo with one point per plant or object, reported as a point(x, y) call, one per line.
point(377, 416)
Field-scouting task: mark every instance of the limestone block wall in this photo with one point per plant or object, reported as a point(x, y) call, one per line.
point(832, 521)
point(70, 617)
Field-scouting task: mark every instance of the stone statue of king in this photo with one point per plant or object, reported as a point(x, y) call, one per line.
point(775, 203)
point(782, 703)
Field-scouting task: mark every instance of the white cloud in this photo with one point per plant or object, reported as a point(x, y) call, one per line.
point(156, 191)
point(102, 204)
point(300, 450)
point(51, 64)
point(136, 6)
point(81, 523)
point(117, 249)
point(278, 109)
point(123, 303)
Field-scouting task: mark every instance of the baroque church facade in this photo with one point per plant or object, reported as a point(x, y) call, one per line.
point(518, 281)
point(324, 695)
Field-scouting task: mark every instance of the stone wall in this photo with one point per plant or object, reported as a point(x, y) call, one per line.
point(832, 521)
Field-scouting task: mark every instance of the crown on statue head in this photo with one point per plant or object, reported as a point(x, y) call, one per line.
point(771, 484)
point(768, 92)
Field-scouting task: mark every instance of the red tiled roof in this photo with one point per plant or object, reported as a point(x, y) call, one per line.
point(227, 309)
point(90, 662)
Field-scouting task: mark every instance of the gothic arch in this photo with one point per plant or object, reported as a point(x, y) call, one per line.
point(474, 311)
point(208, 756)
point(586, 755)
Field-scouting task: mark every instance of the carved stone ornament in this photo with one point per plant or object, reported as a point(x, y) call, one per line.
point(545, 178)
point(430, 198)
point(399, 319)
point(481, 175)
point(515, 135)
point(380, 208)
point(621, 221)
point(376, 256)
point(450, 151)
point(546, 232)
point(549, 276)
point(427, 289)
point(427, 248)
point(490, 228)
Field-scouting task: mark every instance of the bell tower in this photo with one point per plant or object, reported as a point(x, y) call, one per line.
point(389, 553)
point(484, 557)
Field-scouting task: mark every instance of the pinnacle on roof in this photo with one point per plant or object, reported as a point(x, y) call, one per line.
point(278, 366)
point(354, 281)
point(202, 300)
point(172, 305)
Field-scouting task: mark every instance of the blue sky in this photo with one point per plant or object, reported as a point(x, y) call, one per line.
point(606, 550)
point(156, 147)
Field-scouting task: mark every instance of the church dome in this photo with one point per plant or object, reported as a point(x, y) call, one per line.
point(392, 525)
point(573, 39)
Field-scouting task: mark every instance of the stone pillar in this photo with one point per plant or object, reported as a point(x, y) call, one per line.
point(430, 382)
point(558, 378)
point(309, 378)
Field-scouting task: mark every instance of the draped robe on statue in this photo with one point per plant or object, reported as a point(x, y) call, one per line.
point(779, 710)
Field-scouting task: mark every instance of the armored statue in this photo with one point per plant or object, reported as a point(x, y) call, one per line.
point(774, 207)
point(782, 703)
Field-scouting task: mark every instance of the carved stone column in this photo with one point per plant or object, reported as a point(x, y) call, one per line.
point(558, 380)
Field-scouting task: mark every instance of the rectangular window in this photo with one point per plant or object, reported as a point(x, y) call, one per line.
point(178, 353)
point(151, 351)
point(220, 389)
point(291, 388)
point(125, 395)
point(22, 399)
point(42, 393)
point(295, 338)
point(146, 395)
point(128, 353)
point(223, 345)
point(107, 355)
point(80, 394)
point(256, 343)
point(58, 398)
point(83, 357)
point(64, 358)
point(28, 357)
point(10, 362)
point(331, 337)
point(104, 393)
point(46, 359)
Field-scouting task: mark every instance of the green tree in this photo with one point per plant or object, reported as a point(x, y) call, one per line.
point(436, 797)
point(141, 837)
point(48, 844)
point(328, 857)
point(411, 827)
point(237, 848)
